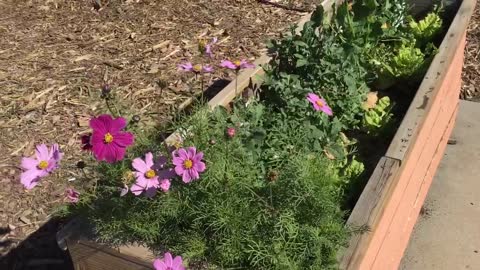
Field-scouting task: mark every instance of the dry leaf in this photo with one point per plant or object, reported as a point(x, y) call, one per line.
point(328, 154)
point(372, 98)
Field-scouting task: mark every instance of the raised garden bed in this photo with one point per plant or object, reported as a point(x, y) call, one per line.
point(392, 198)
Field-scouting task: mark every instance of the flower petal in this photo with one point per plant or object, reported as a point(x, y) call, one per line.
point(159, 264)
point(99, 151)
point(198, 157)
point(153, 183)
point(199, 166)
point(182, 153)
point(41, 152)
point(139, 186)
point(326, 109)
point(179, 170)
point(168, 259)
point(193, 174)
point(29, 163)
point(178, 161)
point(123, 139)
point(124, 190)
point(101, 123)
point(192, 151)
point(118, 124)
point(177, 262)
point(110, 153)
point(30, 178)
point(140, 165)
point(186, 67)
point(149, 160)
point(228, 64)
point(186, 178)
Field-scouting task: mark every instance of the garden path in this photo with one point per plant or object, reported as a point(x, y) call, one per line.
point(447, 233)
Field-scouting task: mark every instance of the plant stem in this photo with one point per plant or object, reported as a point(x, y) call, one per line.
point(201, 86)
point(236, 83)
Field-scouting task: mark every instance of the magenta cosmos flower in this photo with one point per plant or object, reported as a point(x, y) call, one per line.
point(198, 68)
point(147, 178)
point(72, 195)
point(169, 263)
point(44, 162)
point(108, 141)
point(319, 104)
point(236, 65)
point(188, 163)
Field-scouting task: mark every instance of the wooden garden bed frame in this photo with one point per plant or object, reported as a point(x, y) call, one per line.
point(391, 201)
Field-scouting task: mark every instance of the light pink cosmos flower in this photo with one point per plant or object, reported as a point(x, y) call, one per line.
point(198, 68)
point(72, 195)
point(319, 104)
point(147, 178)
point(169, 263)
point(108, 141)
point(236, 65)
point(188, 163)
point(44, 163)
point(208, 47)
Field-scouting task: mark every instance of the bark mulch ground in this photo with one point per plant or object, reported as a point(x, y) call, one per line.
point(471, 66)
point(55, 55)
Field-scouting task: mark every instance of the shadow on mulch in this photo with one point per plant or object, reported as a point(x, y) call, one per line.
point(38, 252)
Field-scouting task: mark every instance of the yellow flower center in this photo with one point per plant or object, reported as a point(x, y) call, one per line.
point(108, 138)
point(188, 164)
point(385, 26)
point(43, 165)
point(150, 174)
point(197, 68)
point(319, 103)
point(237, 63)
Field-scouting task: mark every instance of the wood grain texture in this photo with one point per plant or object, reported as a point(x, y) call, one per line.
point(431, 84)
point(91, 256)
point(369, 209)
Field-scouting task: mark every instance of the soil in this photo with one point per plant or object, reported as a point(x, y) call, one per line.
point(471, 66)
point(56, 55)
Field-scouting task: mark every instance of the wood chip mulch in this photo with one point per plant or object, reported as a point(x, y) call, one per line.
point(471, 66)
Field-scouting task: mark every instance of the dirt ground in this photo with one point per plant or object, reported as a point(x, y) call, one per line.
point(55, 55)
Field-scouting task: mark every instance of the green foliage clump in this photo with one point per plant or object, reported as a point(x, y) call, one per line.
point(426, 29)
point(245, 210)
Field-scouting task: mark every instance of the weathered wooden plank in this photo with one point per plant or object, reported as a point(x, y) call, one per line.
point(91, 256)
point(390, 253)
point(430, 87)
point(368, 211)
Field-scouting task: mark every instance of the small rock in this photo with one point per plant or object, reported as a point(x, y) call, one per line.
point(11, 227)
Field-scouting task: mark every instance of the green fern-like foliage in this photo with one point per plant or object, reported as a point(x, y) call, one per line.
point(243, 212)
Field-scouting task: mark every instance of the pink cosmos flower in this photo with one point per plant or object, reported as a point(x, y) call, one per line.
point(236, 65)
point(108, 141)
point(188, 163)
point(72, 195)
point(231, 132)
point(147, 178)
point(198, 68)
point(208, 47)
point(169, 263)
point(319, 104)
point(44, 163)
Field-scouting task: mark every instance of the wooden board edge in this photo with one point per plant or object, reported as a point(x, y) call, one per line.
point(368, 211)
point(431, 84)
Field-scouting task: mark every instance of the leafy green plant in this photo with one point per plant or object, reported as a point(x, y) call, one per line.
point(426, 29)
point(377, 117)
